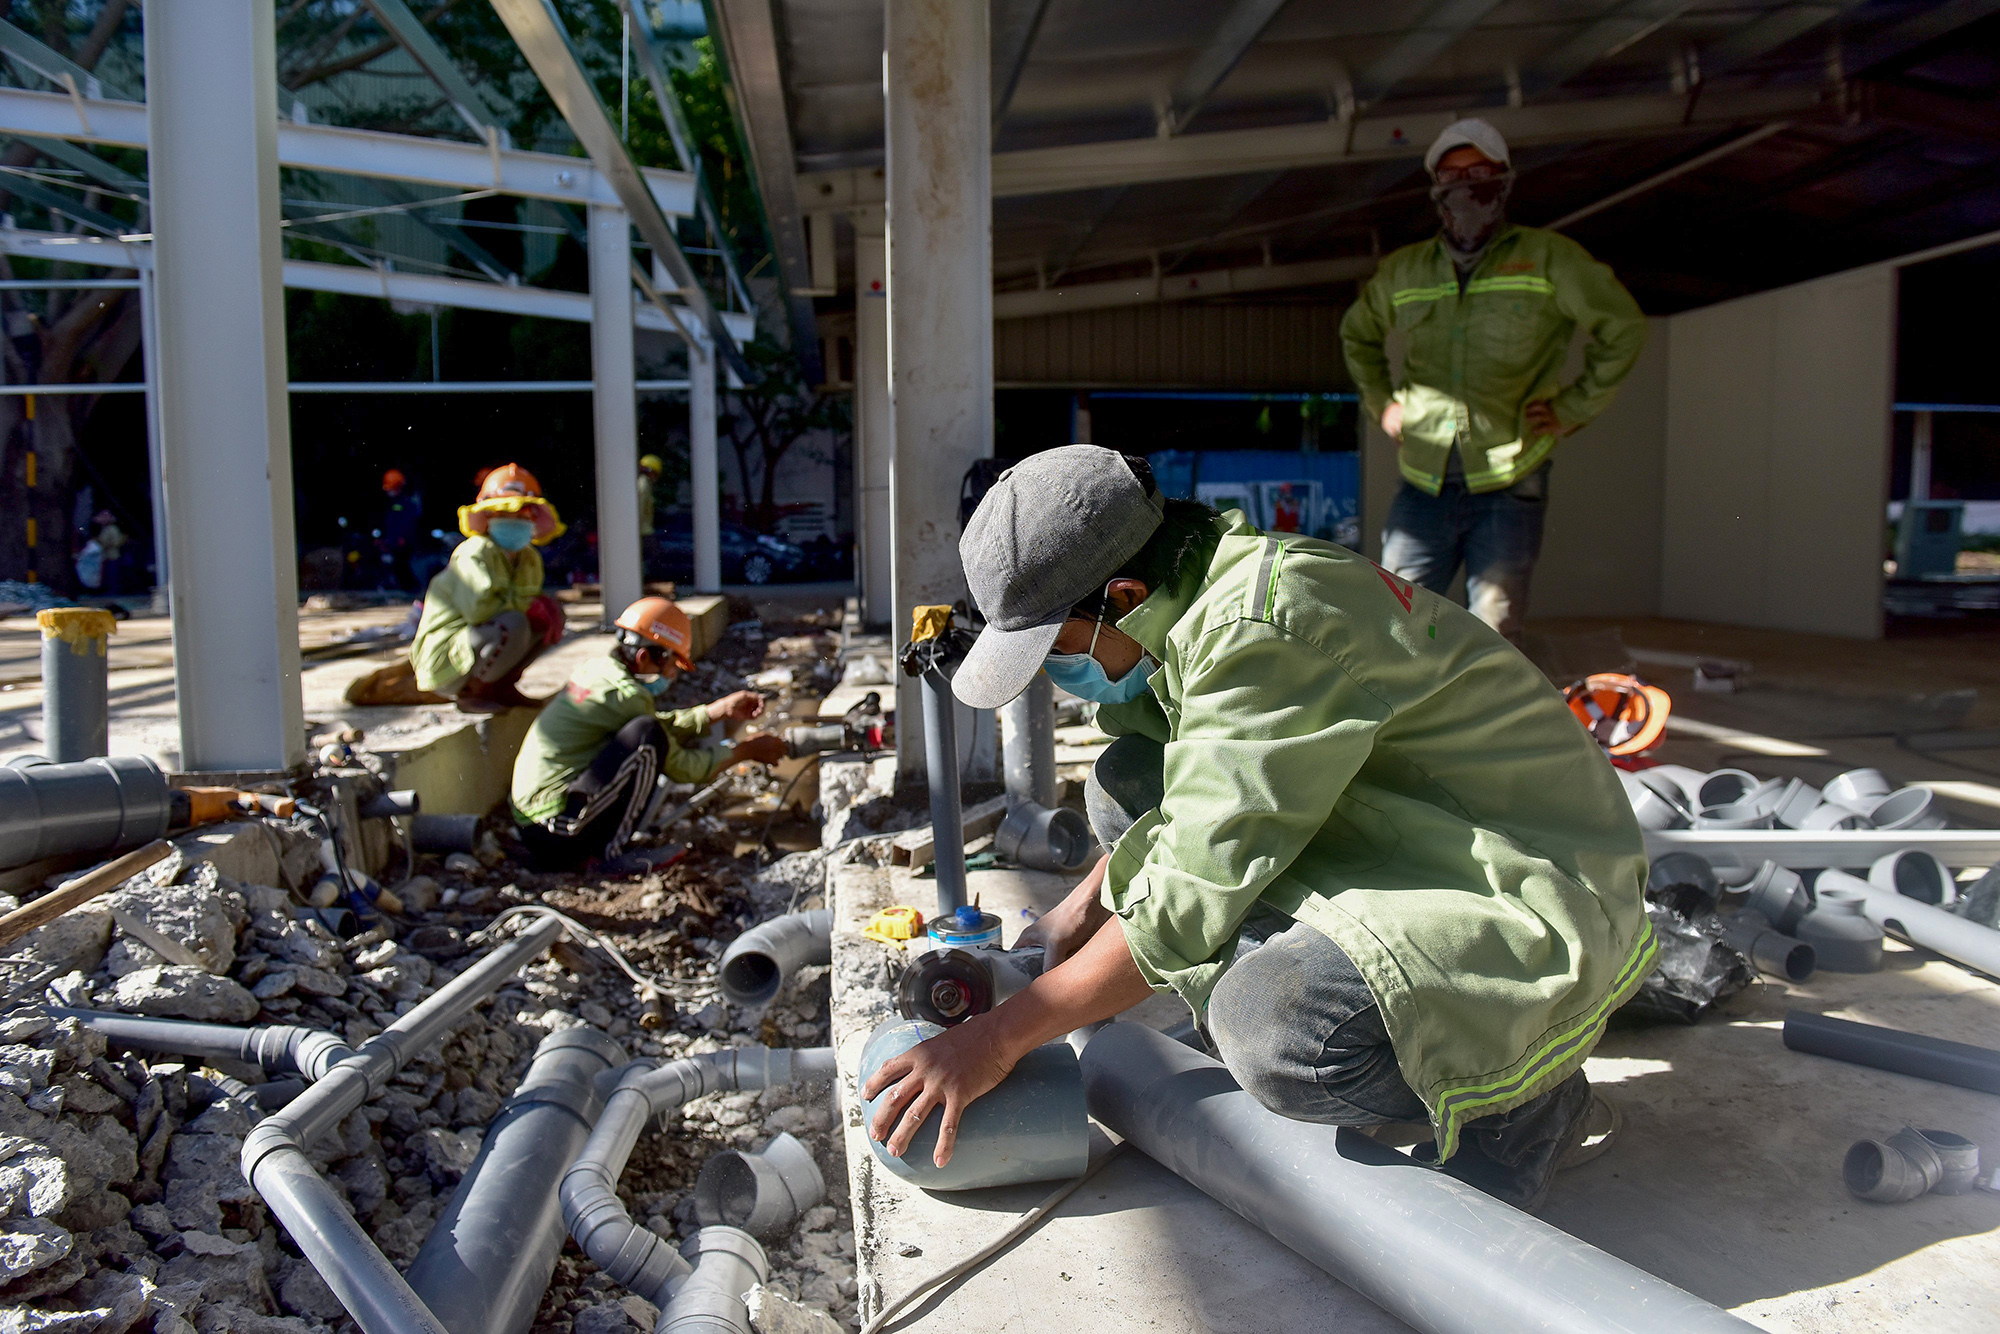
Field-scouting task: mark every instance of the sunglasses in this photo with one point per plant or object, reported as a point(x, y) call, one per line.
point(1478, 171)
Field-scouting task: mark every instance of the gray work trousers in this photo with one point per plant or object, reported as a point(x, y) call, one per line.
point(499, 645)
point(1296, 1024)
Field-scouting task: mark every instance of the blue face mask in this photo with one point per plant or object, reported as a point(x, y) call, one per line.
point(511, 534)
point(658, 686)
point(1083, 675)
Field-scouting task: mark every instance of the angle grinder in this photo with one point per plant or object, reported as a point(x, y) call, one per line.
point(949, 986)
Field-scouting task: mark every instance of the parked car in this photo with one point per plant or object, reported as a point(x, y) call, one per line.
point(748, 557)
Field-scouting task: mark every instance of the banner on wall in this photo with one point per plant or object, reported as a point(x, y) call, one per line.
point(1280, 491)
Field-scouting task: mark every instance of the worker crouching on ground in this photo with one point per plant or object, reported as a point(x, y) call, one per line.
point(585, 774)
point(1445, 873)
point(1487, 311)
point(485, 616)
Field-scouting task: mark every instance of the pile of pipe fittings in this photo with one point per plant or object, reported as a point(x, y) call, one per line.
point(1673, 796)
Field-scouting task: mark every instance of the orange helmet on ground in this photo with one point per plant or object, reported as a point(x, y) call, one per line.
point(659, 623)
point(507, 490)
point(1622, 713)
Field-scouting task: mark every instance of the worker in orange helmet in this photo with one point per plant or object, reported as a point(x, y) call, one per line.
point(587, 771)
point(485, 616)
point(401, 528)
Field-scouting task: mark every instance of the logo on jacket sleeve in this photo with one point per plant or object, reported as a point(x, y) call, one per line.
point(1405, 592)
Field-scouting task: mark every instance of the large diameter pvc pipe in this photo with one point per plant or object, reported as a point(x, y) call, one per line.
point(1892, 1049)
point(941, 770)
point(76, 696)
point(1028, 744)
point(1801, 849)
point(274, 1160)
point(758, 964)
point(1949, 934)
point(488, 1258)
point(1427, 1248)
point(728, 1263)
point(281, 1048)
point(113, 801)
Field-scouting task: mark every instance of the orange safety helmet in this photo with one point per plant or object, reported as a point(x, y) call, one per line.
point(510, 490)
point(658, 622)
point(393, 479)
point(1622, 713)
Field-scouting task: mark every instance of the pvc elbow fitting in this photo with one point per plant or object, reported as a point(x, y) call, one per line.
point(1910, 1163)
point(758, 964)
point(1842, 937)
point(761, 1192)
point(1772, 951)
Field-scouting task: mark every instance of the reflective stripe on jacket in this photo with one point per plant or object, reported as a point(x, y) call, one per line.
point(1370, 759)
point(1476, 359)
point(481, 580)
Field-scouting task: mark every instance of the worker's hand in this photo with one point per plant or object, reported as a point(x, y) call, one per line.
point(744, 704)
point(1062, 930)
point(951, 1071)
point(764, 748)
point(1541, 419)
point(1392, 421)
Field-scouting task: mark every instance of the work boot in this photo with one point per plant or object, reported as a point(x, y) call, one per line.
point(1513, 1156)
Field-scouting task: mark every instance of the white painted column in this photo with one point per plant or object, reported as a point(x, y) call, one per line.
point(874, 444)
point(704, 472)
point(940, 260)
point(225, 426)
point(614, 410)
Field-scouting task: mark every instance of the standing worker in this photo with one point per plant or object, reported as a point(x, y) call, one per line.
point(486, 617)
point(1445, 871)
point(402, 525)
point(585, 774)
point(1488, 310)
point(650, 468)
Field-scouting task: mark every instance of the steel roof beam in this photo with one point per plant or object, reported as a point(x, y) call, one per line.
point(1121, 162)
point(1437, 32)
point(1154, 290)
point(746, 35)
point(410, 33)
point(1886, 45)
point(1760, 37)
point(542, 39)
point(1238, 31)
point(1014, 33)
point(1624, 25)
point(444, 163)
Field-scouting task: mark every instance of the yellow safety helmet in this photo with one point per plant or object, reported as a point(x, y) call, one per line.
point(652, 464)
point(508, 490)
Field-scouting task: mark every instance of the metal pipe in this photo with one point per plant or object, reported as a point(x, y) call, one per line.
point(274, 1159)
point(76, 698)
point(630, 1255)
point(488, 1258)
point(1953, 936)
point(95, 805)
point(1028, 744)
point(758, 963)
point(728, 1263)
point(941, 768)
point(1800, 849)
point(1427, 1248)
point(281, 1048)
point(1892, 1049)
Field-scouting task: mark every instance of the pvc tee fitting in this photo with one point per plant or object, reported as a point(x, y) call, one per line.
point(1910, 1163)
point(761, 1192)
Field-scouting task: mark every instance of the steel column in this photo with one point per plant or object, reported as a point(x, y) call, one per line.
point(614, 410)
point(874, 445)
point(149, 342)
point(940, 259)
point(704, 472)
point(225, 430)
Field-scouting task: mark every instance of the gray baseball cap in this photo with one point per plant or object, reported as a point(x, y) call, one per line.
point(1052, 531)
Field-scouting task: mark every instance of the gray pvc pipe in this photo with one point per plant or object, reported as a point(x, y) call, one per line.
point(728, 1263)
point(941, 770)
point(1915, 1054)
point(1028, 744)
point(76, 695)
point(760, 962)
point(1045, 838)
point(1427, 1248)
point(113, 801)
point(1953, 936)
point(1771, 950)
point(630, 1255)
point(488, 1258)
point(274, 1160)
point(761, 1192)
point(1848, 849)
point(285, 1048)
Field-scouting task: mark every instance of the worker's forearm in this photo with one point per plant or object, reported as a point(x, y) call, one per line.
point(1098, 981)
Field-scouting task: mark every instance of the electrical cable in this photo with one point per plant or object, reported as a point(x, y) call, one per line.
point(1013, 1234)
point(764, 839)
point(648, 986)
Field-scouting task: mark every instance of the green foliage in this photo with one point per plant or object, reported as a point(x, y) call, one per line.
point(769, 417)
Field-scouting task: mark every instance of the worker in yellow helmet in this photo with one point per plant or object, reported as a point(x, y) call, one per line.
point(485, 616)
point(650, 468)
point(586, 772)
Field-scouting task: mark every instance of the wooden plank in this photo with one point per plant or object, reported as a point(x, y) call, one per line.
point(914, 847)
point(80, 891)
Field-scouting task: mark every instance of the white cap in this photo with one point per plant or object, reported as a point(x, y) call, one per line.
point(1471, 132)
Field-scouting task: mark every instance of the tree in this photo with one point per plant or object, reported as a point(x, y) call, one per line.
point(768, 418)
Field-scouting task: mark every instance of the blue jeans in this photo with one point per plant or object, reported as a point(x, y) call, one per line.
point(1495, 535)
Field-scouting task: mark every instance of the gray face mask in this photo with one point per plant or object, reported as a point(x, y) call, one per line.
point(1472, 211)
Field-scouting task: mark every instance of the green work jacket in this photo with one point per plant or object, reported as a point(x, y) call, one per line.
point(645, 488)
point(481, 581)
point(602, 697)
point(1370, 759)
point(1477, 358)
